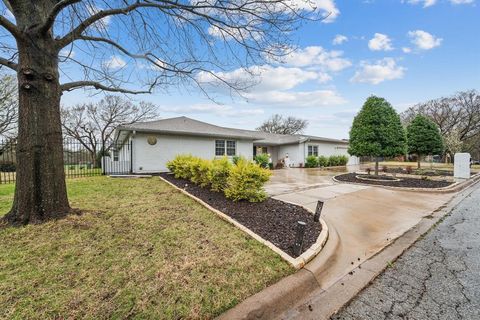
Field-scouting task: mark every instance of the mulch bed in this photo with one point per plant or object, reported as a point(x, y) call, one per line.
point(423, 172)
point(273, 220)
point(405, 182)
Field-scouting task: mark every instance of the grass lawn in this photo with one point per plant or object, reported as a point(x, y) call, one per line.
point(143, 250)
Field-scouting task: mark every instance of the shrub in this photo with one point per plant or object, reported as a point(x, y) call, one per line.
point(200, 169)
point(246, 181)
point(219, 173)
point(311, 162)
point(235, 159)
point(323, 161)
point(409, 169)
point(262, 160)
point(343, 160)
point(369, 170)
point(180, 166)
point(384, 169)
point(333, 161)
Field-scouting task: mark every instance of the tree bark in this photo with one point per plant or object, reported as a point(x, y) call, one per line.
point(418, 161)
point(376, 166)
point(40, 190)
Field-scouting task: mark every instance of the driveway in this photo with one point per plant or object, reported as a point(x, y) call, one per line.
point(296, 179)
point(435, 279)
point(362, 220)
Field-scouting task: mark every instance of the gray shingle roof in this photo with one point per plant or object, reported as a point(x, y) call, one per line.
point(188, 126)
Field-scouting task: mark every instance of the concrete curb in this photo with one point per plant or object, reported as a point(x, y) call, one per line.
point(297, 263)
point(322, 304)
point(455, 187)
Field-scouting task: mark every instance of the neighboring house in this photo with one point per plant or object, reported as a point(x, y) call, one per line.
point(148, 146)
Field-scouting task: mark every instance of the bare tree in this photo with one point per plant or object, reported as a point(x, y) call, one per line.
point(110, 43)
point(283, 125)
point(458, 118)
point(93, 124)
point(8, 106)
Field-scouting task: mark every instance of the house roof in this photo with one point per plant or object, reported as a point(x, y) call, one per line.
point(188, 126)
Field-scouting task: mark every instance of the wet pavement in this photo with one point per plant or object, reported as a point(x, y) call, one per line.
point(438, 278)
point(285, 181)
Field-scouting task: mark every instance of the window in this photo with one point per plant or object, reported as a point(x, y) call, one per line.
point(225, 147)
point(219, 147)
point(313, 151)
point(231, 148)
point(115, 155)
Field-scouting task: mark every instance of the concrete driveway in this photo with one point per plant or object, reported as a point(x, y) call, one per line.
point(362, 220)
point(296, 179)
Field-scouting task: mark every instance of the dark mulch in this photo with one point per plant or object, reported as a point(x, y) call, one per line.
point(273, 220)
point(405, 182)
point(423, 172)
point(379, 177)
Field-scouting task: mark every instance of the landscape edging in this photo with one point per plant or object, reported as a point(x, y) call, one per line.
point(297, 263)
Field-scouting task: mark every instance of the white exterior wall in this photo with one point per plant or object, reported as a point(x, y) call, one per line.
point(331, 149)
point(294, 152)
point(153, 158)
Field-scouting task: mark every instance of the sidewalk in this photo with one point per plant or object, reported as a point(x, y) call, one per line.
point(437, 278)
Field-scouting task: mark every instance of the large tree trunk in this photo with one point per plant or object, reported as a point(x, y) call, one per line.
point(40, 191)
point(418, 161)
point(376, 166)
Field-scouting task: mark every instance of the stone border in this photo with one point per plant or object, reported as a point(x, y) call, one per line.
point(454, 187)
point(297, 263)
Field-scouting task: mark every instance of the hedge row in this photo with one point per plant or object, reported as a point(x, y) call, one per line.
point(243, 180)
point(322, 161)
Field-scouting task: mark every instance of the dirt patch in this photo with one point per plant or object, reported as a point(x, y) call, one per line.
point(273, 220)
point(404, 182)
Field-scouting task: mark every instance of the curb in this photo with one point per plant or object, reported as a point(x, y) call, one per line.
point(322, 304)
point(455, 187)
point(297, 263)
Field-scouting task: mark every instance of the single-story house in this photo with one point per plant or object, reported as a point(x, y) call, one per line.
point(146, 147)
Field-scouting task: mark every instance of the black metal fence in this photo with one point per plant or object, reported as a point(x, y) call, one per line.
point(80, 159)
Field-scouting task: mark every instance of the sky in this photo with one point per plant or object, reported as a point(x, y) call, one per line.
point(406, 51)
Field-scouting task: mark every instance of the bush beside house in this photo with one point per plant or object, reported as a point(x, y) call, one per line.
point(243, 180)
point(322, 161)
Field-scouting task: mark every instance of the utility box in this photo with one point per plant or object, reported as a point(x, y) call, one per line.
point(461, 169)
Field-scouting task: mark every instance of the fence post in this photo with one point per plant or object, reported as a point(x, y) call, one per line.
point(103, 160)
point(318, 211)
point(131, 156)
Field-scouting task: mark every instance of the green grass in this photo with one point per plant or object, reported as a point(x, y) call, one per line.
point(141, 250)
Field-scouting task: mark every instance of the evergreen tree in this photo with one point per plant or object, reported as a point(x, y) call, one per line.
point(377, 131)
point(423, 137)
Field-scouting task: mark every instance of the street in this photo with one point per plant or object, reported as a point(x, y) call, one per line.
point(437, 278)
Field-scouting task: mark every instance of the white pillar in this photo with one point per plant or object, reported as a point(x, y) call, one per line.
point(461, 167)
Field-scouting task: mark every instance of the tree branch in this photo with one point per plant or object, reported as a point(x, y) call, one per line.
point(10, 27)
point(7, 63)
point(70, 86)
point(53, 14)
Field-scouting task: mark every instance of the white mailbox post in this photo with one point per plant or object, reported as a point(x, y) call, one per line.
point(461, 167)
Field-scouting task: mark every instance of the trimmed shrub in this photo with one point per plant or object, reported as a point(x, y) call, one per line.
point(246, 182)
point(334, 161)
point(323, 161)
point(180, 166)
point(262, 160)
point(235, 159)
point(200, 169)
point(219, 173)
point(311, 162)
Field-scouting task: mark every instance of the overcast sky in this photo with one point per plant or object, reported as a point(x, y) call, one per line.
point(406, 51)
